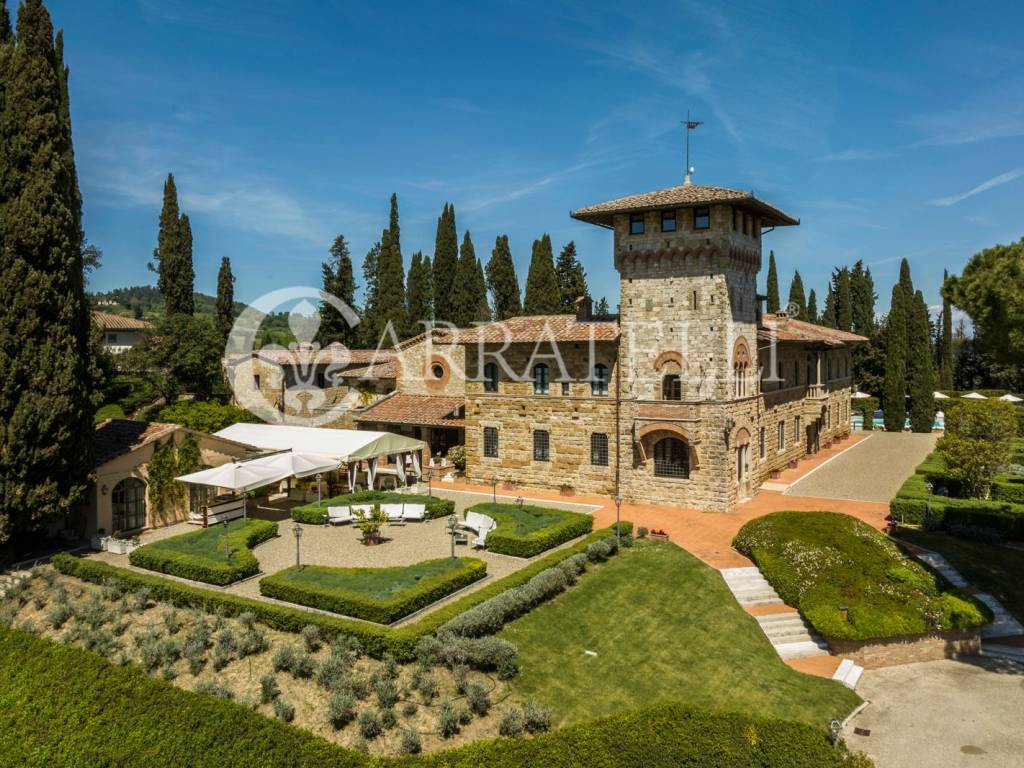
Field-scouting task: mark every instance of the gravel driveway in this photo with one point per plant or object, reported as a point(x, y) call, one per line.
point(951, 714)
point(872, 470)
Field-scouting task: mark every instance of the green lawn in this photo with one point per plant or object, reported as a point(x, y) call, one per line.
point(993, 569)
point(665, 627)
point(383, 595)
point(527, 531)
point(527, 520)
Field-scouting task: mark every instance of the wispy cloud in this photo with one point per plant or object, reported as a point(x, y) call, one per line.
point(995, 181)
point(854, 155)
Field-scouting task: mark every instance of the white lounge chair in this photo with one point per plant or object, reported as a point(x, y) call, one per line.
point(475, 522)
point(393, 511)
point(339, 515)
point(481, 540)
point(417, 512)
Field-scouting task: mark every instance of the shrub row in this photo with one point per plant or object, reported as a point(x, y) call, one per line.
point(121, 716)
point(506, 541)
point(164, 556)
point(383, 610)
point(377, 641)
point(317, 515)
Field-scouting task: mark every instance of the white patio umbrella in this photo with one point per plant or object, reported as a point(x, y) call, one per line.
point(940, 396)
point(297, 464)
point(973, 396)
point(238, 476)
point(1011, 398)
point(858, 395)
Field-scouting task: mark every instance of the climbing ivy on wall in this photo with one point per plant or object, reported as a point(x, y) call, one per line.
point(169, 461)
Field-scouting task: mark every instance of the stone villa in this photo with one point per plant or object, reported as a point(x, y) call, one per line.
point(690, 396)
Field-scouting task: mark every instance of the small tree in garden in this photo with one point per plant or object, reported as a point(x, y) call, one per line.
point(977, 444)
point(370, 522)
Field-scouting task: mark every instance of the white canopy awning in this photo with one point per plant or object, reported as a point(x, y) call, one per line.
point(342, 445)
point(858, 395)
point(241, 476)
point(940, 396)
point(1011, 398)
point(973, 396)
point(297, 464)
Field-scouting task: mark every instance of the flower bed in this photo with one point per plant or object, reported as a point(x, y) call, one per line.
point(317, 515)
point(823, 562)
point(200, 556)
point(382, 595)
point(528, 531)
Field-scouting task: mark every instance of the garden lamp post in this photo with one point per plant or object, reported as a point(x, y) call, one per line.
point(319, 492)
point(930, 487)
point(519, 517)
point(227, 546)
point(297, 532)
point(430, 482)
point(453, 529)
point(618, 517)
point(494, 489)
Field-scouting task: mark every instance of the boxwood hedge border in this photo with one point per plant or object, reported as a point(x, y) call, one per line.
point(311, 514)
point(505, 541)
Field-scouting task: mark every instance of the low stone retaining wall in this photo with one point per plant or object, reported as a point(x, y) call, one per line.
point(908, 649)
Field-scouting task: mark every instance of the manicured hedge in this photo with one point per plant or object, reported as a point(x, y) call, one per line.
point(506, 540)
point(376, 640)
point(314, 515)
point(66, 706)
point(177, 557)
point(289, 585)
point(821, 561)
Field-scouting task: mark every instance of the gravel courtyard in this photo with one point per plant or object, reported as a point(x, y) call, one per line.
point(952, 714)
point(340, 546)
point(872, 470)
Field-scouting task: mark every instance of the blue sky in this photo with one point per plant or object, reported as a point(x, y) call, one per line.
point(890, 130)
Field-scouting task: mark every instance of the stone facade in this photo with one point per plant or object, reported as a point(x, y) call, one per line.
point(909, 649)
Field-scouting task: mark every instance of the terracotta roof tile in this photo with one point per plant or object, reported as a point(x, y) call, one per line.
point(559, 328)
point(427, 410)
point(119, 322)
point(333, 354)
point(387, 369)
point(685, 196)
point(787, 329)
point(115, 437)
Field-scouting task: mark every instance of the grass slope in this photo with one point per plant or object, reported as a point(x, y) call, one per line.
point(665, 627)
point(993, 569)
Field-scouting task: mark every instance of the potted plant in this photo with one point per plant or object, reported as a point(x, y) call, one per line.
point(121, 544)
point(659, 535)
point(370, 523)
point(99, 541)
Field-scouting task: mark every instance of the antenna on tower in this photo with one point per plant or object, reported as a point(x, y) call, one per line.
point(690, 125)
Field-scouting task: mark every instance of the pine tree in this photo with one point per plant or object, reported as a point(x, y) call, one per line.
point(946, 340)
point(844, 301)
point(502, 281)
point(446, 259)
point(369, 324)
point(797, 306)
point(572, 280)
point(894, 388)
point(418, 293)
point(469, 294)
point(601, 308)
point(173, 255)
point(225, 308)
point(391, 289)
point(46, 405)
point(812, 307)
point(773, 283)
point(542, 292)
point(828, 314)
point(920, 366)
point(339, 282)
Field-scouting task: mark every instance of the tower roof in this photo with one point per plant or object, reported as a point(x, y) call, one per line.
point(684, 196)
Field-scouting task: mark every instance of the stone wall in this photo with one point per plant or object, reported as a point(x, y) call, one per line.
point(416, 363)
point(909, 649)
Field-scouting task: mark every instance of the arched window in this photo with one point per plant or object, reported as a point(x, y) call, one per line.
point(671, 387)
point(671, 458)
point(490, 378)
point(129, 504)
point(740, 381)
point(541, 379)
point(599, 386)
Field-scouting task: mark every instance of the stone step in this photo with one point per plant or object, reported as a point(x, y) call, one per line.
point(800, 650)
point(779, 628)
point(1004, 624)
point(848, 673)
point(765, 600)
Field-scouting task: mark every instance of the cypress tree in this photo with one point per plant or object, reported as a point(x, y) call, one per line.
point(862, 299)
point(844, 302)
point(905, 282)
point(572, 280)
point(542, 292)
point(369, 324)
point(920, 366)
point(225, 308)
point(469, 294)
point(797, 306)
point(828, 314)
point(812, 307)
point(418, 292)
point(946, 339)
point(483, 309)
point(173, 255)
point(601, 308)
point(391, 288)
point(338, 281)
point(446, 259)
point(894, 387)
point(46, 407)
point(427, 275)
point(773, 283)
point(502, 281)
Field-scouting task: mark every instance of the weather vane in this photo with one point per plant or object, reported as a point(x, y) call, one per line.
point(690, 125)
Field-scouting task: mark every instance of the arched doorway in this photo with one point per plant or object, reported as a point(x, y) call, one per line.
point(128, 502)
point(672, 458)
point(742, 451)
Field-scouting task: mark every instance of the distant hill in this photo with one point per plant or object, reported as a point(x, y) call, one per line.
point(145, 302)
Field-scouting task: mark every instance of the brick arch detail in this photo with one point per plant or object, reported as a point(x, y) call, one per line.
point(741, 437)
point(669, 356)
point(741, 352)
point(651, 434)
point(433, 382)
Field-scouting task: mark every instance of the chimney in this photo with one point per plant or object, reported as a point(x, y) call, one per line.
point(584, 309)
